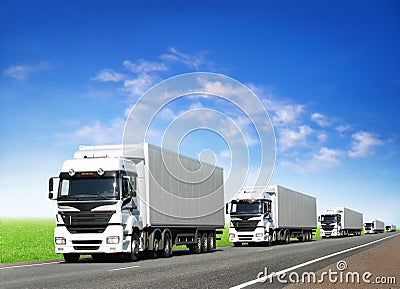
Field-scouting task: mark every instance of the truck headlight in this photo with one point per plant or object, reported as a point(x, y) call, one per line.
point(59, 240)
point(259, 235)
point(113, 240)
point(231, 235)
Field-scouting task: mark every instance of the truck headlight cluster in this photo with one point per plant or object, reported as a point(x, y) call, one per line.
point(231, 235)
point(113, 240)
point(259, 235)
point(59, 240)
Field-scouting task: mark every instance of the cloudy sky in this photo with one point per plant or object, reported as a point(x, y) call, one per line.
point(327, 73)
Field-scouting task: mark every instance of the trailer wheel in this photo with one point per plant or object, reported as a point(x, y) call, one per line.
point(211, 242)
point(196, 248)
point(71, 257)
point(287, 237)
point(166, 251)
point(204, 243)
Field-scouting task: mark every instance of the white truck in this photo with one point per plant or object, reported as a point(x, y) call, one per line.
point(390, 228)
point(374, 226)
point(340, 221)
point(271, 215)
point(122, 201)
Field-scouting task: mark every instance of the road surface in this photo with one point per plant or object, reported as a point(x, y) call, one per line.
point(228, 267)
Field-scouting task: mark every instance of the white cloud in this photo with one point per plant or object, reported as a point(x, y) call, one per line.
point(363, 143)
point(283, 113)
point(99, 133)
point(139, 85)
point(21, 72)
point(106, 75)
point(320, 119)
point(143, 66)
point(192, 61)
point(289, 138)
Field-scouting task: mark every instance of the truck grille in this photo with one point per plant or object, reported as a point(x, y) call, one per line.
point(327, 227)
point(245, 226)
point(87, 222)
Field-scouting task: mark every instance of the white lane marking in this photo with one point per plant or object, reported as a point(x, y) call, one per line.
point(29, 265)
point(252, 282)
point(124, 268)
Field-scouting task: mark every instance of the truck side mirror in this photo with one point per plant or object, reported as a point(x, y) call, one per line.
point(51, 188)
point(319, 218)
point(227, 208)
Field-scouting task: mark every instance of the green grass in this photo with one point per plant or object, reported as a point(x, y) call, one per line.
point(23, 239)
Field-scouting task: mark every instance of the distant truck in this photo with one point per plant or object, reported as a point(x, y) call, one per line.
point(120, 201)
point(390, 228)
point(340, 221)
point(374, 226)
point(272, 215)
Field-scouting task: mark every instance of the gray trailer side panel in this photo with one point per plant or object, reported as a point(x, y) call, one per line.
point(295, 210)
point(352, 219)
point(182, 191)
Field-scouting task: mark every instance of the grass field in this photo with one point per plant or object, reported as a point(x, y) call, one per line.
point(26, 239)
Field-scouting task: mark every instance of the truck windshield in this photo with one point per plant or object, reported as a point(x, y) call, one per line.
point(246, 208)
point(328, 219)
point(368, 226)
point(88, 188)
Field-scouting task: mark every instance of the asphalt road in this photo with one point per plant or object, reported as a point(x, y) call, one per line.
point(227, 267)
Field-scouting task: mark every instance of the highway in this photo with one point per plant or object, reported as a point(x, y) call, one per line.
point(225, 268)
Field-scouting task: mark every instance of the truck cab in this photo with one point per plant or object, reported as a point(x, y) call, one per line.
point(331, 223)
point(251, 217)
point(97, 207)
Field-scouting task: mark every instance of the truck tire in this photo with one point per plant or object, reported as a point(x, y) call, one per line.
point(196, 248)
point(153, 254)
point(133, 256)
point(237, 244)
point(204, 243)
point(71, 257)
point(287, 237)
point(166, 251)
point(211, 242)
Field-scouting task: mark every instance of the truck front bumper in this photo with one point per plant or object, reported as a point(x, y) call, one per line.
point(333, 233)
point(258, 235)
point(90, 243)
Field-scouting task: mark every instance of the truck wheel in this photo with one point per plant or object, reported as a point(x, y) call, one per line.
point(211, 242)
point(166, 251)
point(71, 257)
point(153, 254)
point(204, 243)
point(287, 237)
point(196, 248)
point(133, 256)
point(237, 244)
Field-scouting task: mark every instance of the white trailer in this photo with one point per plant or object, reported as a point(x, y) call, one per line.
point(374, 226)
point(390, 228)
point(116, 200)
point(271, 215)
point(340, 221)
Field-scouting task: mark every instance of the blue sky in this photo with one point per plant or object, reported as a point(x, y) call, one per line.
point(327, 72)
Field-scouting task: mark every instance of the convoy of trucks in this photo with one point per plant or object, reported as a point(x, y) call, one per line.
point(271, 215)
point(138, 198)
point(129, 200)
point(374, 226)
point(390, 228)
point(340, 221)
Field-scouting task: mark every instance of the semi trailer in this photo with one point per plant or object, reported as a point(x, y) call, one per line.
point(340, 221)
point(390, 228)
point(374, 226)
point(139, 199)
point(273, 214)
